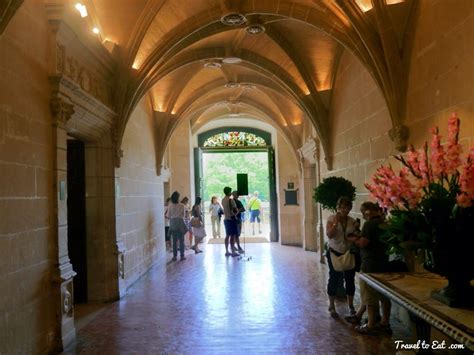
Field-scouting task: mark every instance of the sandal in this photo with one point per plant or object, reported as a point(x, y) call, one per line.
point(364, 329)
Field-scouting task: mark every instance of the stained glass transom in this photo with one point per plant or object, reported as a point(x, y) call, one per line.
point(235, 139)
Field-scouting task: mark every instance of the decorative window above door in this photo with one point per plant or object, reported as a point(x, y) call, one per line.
point(235, 139)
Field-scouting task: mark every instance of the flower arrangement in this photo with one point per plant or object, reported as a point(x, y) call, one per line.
point(432, 195)
point(328, 192)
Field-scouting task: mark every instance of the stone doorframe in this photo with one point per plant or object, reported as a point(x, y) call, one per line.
point(80, 77)
point(312, 223)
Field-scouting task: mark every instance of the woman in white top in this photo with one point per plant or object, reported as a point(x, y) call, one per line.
point(178, 228)
point(199, 231)
point(214, 209)
point(339, 226)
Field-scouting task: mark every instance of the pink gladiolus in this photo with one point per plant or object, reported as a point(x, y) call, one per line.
point(413, 161)
point(466, 182)
point(438, 163)
point(454, 149)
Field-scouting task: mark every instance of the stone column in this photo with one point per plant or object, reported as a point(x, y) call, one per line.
point(308, 172)
point(61, 113)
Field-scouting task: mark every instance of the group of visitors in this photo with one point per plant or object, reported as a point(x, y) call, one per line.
point(344, 235)
point(181, 221)
point(254, 207)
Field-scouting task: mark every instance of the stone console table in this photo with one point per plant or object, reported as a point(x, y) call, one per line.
point(412, 291)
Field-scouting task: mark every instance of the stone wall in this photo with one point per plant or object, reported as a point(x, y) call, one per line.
point(140, 211)
point(27, 251)
point(359, 126)
point(288, 171)
point(440, 81)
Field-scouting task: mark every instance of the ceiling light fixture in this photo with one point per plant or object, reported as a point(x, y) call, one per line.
point(248, 86)
point(233, 19)
point(82, 9)
point(232, 85)
point(213, 64)
point(255, 29)
point(96, 30)
point(231, 60)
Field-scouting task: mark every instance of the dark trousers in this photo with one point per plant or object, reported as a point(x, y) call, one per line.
point(336, 276)
point(177, 236)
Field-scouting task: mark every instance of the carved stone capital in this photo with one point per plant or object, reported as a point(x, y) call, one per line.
point(399, 136)
point(61, 110)
point(309, 151)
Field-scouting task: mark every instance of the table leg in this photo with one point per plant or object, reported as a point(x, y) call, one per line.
point(423, 333)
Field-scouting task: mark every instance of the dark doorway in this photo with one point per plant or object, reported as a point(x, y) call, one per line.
point(76, 217)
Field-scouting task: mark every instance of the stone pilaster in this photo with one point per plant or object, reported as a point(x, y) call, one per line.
point(61, 112)
point(308, 175)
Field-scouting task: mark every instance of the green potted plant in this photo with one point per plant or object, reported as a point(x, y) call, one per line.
point(431, 206)
point(328, 192)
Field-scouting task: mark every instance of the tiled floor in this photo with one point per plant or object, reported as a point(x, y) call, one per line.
point(274, 303)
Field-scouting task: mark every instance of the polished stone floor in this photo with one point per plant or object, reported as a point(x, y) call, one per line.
point(274, 303)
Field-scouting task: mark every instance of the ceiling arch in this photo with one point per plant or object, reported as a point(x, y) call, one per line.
point(295, 58)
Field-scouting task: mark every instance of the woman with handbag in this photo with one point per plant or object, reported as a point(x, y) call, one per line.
point(340, 260)
point(176, 213)
point(197, 224)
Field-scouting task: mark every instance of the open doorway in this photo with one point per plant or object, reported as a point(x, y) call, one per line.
point(220, 169)
point(76, 217)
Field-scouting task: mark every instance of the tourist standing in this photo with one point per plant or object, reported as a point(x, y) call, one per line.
point(167, 226)
point(178, 229)
point(373, 253)
point(238, 216)
point(255, 208)
point(214, 209)
point(339, 227)
point(230, 224)
point(197, 224)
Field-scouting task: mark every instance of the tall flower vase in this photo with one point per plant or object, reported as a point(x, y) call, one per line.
point(456, 266)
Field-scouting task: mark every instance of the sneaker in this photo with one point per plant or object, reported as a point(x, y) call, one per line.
point(240, 250)
point(364, 329)
point(174, 258)
point(182, 258)
point(227, 253)
point(234, 254)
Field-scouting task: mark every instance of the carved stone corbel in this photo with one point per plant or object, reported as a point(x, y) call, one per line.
point(399, 136)
point(61, 110)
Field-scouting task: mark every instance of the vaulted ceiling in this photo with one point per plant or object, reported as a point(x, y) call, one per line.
point(274, 60)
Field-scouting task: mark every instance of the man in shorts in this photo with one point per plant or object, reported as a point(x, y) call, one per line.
point(374, 259)
point(230, 223)
point(255, 208)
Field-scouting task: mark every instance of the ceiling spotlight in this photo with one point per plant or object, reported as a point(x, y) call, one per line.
point(96, 30)
point(232, 85)
point(255, 29)
point(248, 86)
point(82, 9)
point(213, 64)
point(233, 19)
point(231, 60)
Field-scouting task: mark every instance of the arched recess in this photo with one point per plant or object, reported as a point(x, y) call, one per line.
point(272, 172)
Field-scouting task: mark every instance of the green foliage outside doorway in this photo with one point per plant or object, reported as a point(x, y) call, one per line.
point(221, 169)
